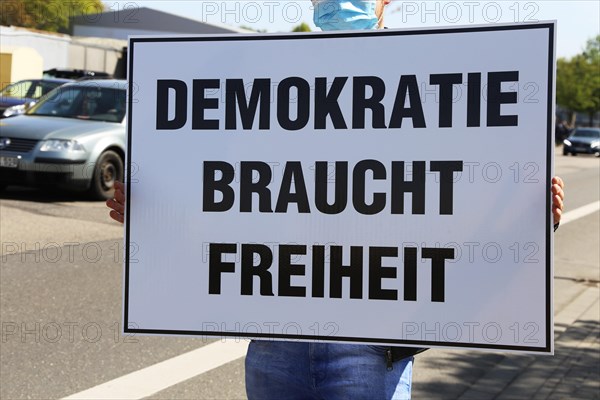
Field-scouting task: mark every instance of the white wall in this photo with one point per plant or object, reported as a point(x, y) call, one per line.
point(114, 33)
point(54, 49)
point(64, 51)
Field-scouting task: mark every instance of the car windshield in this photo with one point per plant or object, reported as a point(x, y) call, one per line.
point(33, 89)
point(587, 133)
point(83, 102)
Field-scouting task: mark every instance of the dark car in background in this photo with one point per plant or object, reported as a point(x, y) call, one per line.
point(583, 140)
point(78, 74)
point(16, 97)
point(73, 138)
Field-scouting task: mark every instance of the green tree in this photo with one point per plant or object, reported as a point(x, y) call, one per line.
point(47, 15)
point(303, 27)
point(578, 81)
point(592, 55)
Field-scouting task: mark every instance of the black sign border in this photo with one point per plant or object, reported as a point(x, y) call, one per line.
point(550, 26)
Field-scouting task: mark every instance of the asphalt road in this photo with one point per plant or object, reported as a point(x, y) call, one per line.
point(61, 290)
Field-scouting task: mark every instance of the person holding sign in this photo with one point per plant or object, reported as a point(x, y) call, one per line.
point(317, 370)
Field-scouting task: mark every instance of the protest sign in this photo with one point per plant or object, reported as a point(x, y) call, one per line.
point(383, 187)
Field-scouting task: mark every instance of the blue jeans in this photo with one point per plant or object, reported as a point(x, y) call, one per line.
point(324, 371)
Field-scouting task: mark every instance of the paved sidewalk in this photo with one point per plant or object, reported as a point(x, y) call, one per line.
point(572, 373)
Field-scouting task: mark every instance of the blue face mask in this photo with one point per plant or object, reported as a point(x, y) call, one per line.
point(332, 15)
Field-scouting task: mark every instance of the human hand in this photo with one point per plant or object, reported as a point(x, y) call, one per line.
point(117, 204)
point(558, 198)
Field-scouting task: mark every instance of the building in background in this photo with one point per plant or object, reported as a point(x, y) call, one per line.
point(18, 63)
point(142, 21)
point(62, 51)
point(97, 41)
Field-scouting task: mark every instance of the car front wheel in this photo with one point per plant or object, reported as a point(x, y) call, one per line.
point(109, 169)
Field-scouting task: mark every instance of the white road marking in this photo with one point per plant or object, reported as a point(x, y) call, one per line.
point(580, 212)
point(157, 377)
point(150, 380)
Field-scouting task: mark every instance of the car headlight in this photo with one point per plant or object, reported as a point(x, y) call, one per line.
point(14, 110)
point(595, 144)
point(62, 145)
point(567, 142)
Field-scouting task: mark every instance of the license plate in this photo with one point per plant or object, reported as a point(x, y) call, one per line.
point(580, 149)
point(9, 162)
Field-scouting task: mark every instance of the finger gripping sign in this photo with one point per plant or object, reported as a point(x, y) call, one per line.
point(385, 187)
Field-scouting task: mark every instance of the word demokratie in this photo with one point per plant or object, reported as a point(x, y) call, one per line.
point(293, 102)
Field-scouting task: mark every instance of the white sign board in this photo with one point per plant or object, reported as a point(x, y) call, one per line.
point(384, 187)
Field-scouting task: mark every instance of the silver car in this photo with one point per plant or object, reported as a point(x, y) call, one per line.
point(73, 138)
